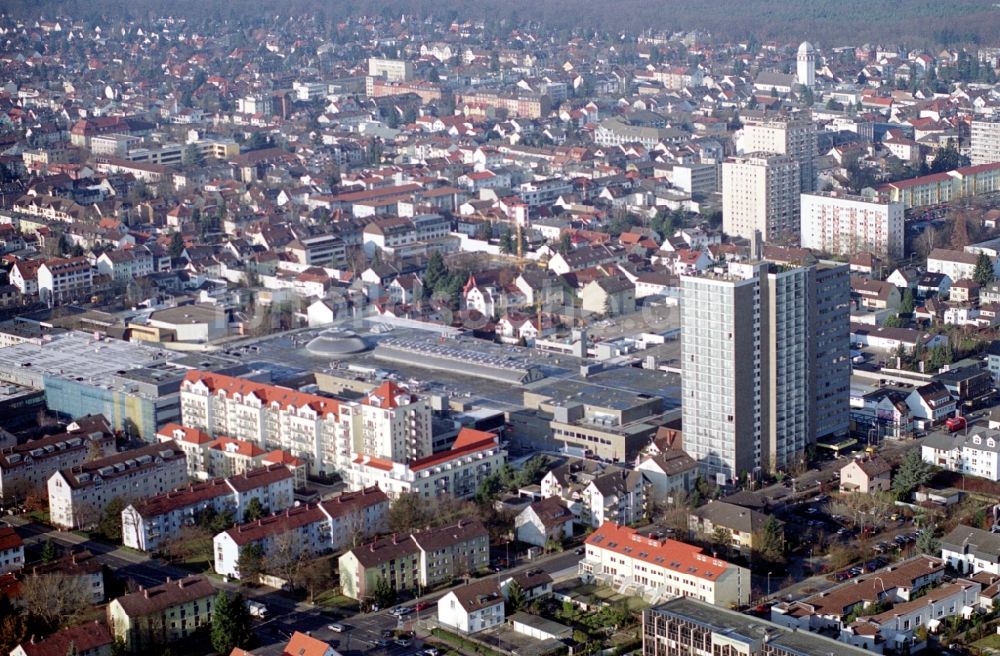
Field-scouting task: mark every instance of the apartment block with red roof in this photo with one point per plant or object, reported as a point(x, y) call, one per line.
point(309, 427)
point(658, 569)
point(457, 471)
point(305, 531)
point(147, 524)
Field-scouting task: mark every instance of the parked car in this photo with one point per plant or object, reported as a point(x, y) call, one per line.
point(423, 605)
point(337, 628)
point(401, 611)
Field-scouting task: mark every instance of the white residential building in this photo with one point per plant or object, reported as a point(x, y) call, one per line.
point(11, 550)
point(125, 265)
point(308, 426)
point(659, 569)
point(970, 550)
point(473, 607)
point(793, 135)
point(845, 225)
point(146, 525)
point(596, 493)
point(976, 454)
point(304, 531)
point(62, 280)
point(457, 471)
point(985, 140)
point(77, 495)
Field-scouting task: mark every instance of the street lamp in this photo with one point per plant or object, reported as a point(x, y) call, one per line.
point(769, 585)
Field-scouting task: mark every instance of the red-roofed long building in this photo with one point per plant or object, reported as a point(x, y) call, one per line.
point(305, 531)
point(147, 524)
point(658, 569)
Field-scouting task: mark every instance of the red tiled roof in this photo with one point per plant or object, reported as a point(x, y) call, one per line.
point(9, 539)
point(173, 431)
point(468, 441)
point(667, 554)
point(268, 394)
point(303, 645)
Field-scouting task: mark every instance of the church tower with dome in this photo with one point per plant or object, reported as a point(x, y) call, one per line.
point(806, 66)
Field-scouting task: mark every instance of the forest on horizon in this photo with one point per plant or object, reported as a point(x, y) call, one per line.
point(916, 23)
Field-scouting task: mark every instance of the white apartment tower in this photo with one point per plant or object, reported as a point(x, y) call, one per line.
point(760, 194)
point(765, 364)
point(985, 140)
point(805, 67)
point(792, 135)
point(843, 224)
point(396, 425)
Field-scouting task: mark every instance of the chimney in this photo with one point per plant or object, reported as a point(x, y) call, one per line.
point(371, 547)
point(394, 540)
point(145, 593)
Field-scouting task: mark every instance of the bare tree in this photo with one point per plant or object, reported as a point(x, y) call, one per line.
point(56, 600)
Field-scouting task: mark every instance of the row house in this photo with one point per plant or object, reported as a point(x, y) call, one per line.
point(77, 495)
point(415, 561)
point(26, 468)
point(147, 524)
point(304, 531)
point(658, 569)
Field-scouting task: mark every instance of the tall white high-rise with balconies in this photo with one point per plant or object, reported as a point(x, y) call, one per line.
point(985, 140)
point(793, 135)
point(760, 195)
point(765, 365)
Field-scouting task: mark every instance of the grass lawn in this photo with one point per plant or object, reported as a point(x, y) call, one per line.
point(991, 641)
point(331, 599)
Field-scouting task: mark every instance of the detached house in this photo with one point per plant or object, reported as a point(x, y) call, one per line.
point(743, 524)
point(473, 607)
point(931, 404)
point(544, 521)
point(866, 475)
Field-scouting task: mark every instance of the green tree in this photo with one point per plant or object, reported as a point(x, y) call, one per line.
point(49, 552)
point(110, 525)
point(893, 321)
point(769, 540)
point(251, 563)
point(565, 243)
point(192, 157)
point(722, 538)
point(948, 159)
point(231, 623)
point(383, 594)
point(515, 598)
point(912, 473)
point(927, 543)
point(176, 245)
point(436, 271)
point(254, 511)
point(906, 306)
point(983, 273)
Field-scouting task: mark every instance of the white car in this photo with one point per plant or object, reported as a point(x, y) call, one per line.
point(337, 628)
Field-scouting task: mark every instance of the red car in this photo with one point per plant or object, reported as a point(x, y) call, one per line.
point(422, 605)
